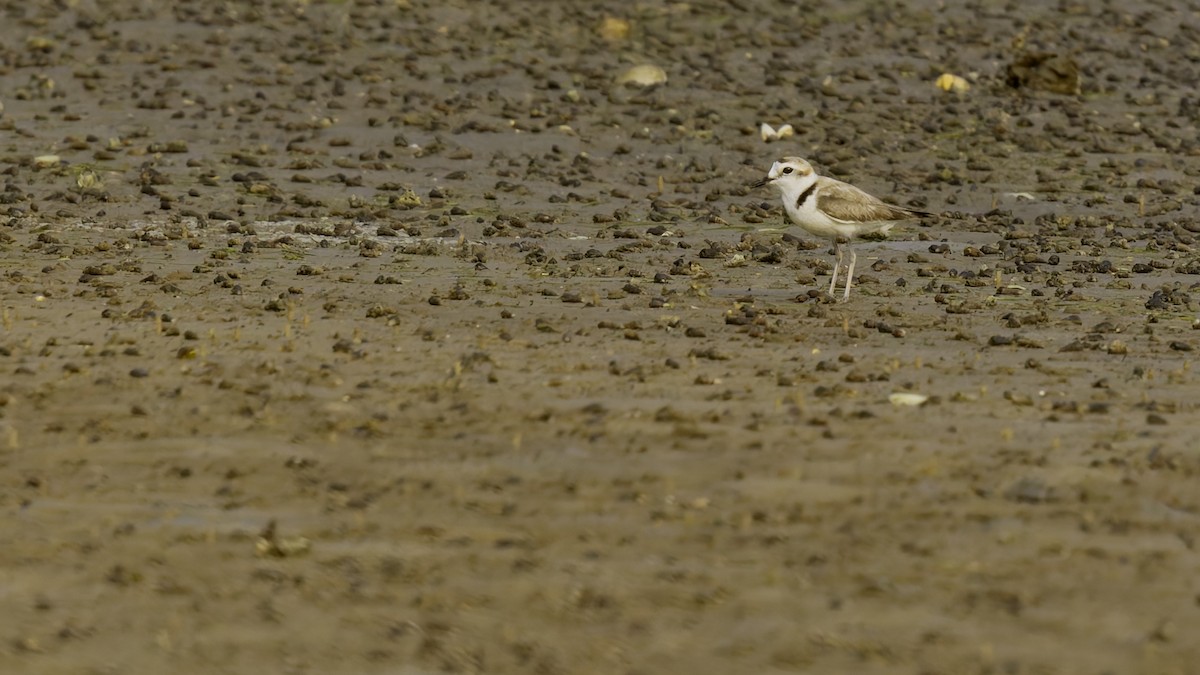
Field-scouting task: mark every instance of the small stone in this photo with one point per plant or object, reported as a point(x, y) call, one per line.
point(1029, 491)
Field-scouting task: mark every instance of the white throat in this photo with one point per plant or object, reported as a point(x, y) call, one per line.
point(799, 194)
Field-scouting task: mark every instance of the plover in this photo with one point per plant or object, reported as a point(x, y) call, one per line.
point(832, 209)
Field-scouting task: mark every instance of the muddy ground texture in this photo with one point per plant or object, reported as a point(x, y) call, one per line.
point(353, 337)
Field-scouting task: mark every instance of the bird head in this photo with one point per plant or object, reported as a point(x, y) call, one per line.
point(789, 171)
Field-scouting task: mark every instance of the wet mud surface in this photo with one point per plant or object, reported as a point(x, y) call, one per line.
point(399, 338)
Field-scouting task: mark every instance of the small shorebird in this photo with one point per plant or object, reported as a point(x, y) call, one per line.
point(830, 208)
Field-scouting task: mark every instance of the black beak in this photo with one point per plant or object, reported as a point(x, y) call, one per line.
point(760, 183)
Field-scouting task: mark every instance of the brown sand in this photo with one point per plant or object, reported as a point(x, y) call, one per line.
point(527, 380)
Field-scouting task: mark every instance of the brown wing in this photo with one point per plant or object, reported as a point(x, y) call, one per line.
point(844, 202)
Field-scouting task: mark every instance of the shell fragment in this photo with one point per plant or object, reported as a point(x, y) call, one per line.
point(903, 398)
point(769, 133)
point(645, 75)
point(952, 82)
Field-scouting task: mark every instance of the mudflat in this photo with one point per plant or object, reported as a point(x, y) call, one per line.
point(414, 337)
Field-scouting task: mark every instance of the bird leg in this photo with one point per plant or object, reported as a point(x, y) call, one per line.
point(849, 272)
point(837, 265)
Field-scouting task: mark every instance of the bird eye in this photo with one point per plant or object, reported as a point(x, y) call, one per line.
point(787, 170)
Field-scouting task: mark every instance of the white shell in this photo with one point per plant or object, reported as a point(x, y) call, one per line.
point(645, 75)
point(902, 398)
point(952, 82)
point(768, 133)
